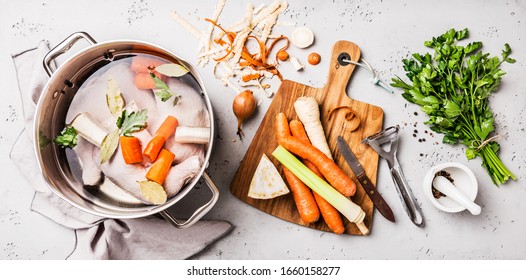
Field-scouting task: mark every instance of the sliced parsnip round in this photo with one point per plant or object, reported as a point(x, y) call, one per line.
point(302, 37)
point(267, 183)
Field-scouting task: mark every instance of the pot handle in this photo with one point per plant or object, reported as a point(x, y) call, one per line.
point(200, 212)
point(62, 48)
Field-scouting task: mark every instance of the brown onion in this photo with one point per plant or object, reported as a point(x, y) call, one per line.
point(244, 106)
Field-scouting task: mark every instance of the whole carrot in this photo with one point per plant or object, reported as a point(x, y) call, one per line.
point(160, 168)
point(330, 170)
point(165, 131)
point(303, 198)
point(330, 215)
point(131, 149)
point(302, 195)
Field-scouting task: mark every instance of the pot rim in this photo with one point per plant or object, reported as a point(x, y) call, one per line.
point(146, 210)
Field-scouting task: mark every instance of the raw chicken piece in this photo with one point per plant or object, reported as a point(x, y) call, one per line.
point(91, 173)
point(91, 97)
point(180, 175)
point(189, 111)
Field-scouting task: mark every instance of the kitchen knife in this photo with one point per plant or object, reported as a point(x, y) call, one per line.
point(359, 172)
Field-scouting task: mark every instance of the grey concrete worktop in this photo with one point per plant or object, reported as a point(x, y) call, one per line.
point(386, 31)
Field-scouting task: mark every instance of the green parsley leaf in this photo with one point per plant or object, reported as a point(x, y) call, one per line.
point(132, 122)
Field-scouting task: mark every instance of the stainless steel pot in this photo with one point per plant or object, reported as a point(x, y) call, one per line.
point(50, 117)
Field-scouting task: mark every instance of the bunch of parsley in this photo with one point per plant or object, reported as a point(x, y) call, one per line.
point(453, 87)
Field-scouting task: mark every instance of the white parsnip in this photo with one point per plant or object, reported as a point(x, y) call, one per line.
point(194, 135)
point(308, 112)
point(89, 129)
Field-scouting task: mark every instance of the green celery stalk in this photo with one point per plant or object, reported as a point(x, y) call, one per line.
point(349, 209)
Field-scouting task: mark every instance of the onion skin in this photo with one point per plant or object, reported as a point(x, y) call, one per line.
point(244, 106)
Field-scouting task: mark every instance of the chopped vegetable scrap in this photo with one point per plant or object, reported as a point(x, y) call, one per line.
point(267, 182)
point(67, 137)
point(231, 47)
point(302, 37)
point(453, 87)
point(314, 58)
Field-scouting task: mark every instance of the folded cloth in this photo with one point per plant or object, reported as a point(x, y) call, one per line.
point(97, 237)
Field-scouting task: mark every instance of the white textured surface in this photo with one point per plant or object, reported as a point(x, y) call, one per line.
point(386, 31)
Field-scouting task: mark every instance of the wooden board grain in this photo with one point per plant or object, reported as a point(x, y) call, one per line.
point(329, 96)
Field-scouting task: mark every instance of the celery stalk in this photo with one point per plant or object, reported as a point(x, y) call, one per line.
point(344, 205)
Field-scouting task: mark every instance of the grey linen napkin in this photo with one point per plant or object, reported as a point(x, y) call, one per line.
point(97, 237)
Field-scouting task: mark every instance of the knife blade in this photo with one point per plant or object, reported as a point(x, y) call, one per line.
point(369, 187)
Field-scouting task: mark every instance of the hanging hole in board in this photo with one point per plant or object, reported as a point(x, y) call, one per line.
point(343, 59)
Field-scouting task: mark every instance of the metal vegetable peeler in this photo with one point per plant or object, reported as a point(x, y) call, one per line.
point(390, 135)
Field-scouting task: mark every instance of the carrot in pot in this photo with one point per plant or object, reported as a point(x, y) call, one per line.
point(165, 131)
point(330, 215)
point(160, 168)
point(142, 64)
point(131, 149)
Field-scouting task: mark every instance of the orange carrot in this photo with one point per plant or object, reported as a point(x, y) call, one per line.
point(330, 170)
point(131, 149)
point(144, 81)
point(160, 168)
point(142, 64)
point(165, 131)
point(303, 198)
point(282, 126)
point(330, 215)
point(302, 195)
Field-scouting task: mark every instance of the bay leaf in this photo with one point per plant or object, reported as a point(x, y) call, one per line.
point(109, 146)
point(153, 192)
point(114, 98)
point(172, 69)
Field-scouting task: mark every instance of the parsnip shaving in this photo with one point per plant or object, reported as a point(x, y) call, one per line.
point(348, 116)
point(259, 8)
point(186, 25)
point(229, 47)
point(208, 36)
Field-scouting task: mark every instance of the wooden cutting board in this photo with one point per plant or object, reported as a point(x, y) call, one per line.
point(329, 96)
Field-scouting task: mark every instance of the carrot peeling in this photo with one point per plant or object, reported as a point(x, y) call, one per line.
point(250, 77)
point(160, 168)
point(165, 131)
point(131, 149)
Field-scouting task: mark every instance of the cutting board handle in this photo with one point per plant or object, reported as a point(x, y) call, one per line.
point(340, 72)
